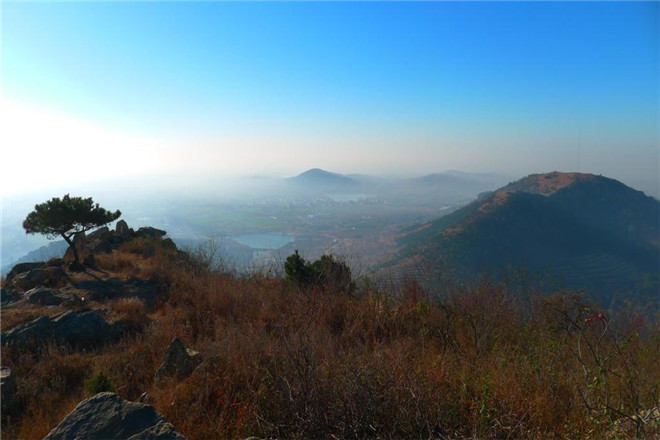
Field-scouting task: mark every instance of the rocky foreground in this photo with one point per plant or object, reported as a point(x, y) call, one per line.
point(108, 416)
point(73, 301)
point(74, 315)
point(178, 348)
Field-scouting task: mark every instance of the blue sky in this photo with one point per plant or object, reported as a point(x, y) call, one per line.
point(385, 88)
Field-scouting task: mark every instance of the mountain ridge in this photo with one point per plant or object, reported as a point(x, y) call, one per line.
point(561, 222)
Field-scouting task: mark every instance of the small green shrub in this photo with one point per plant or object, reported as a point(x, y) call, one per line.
point(99, 384)
point(326, 273)
point(298, 271)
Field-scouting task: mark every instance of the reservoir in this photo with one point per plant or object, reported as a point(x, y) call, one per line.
point(264, 240)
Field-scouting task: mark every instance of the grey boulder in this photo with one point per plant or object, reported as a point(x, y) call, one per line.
point(179, 361)
point(108, 416)
point(44, 296)
point(83, 329)
point(7, 297)
point(150, 232)
point(28, 332)
point(86, 329)
point(21, 268)
point(122, 228)
point(40, 276)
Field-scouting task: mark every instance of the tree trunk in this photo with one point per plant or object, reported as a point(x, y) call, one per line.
point(76, 257)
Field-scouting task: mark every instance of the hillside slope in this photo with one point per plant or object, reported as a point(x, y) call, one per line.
point(583, 230)
point(223, 355)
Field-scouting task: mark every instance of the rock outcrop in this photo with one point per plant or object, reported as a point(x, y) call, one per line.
point(179, 361)
point(27, 280)
point(84, 330)
point(47, 297)
point(21, 268)
point(150, 232)
point(55, 262)
point(48, 276)
point(122, 228)
point(49, 284)
point(26, 276)
point(7, 297)
point(97, 233)
point(146, 398)
point(108, 416)
point(104, 240)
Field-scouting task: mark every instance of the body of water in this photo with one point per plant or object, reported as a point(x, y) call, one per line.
point(264, 240)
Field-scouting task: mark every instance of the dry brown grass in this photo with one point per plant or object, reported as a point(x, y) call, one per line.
point(49, 386)
point(288, 364)
point(118, 262)
point(12, 317)
point(130, 311)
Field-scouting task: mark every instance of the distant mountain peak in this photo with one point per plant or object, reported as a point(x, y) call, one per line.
point(318, 172)
point(541, 184)
point(584, 230)
point(316, 177)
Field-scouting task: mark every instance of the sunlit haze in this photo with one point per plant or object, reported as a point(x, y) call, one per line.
point(116, 90)
point(329, 219)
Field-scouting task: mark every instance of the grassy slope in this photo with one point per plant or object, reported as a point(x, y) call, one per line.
point(289, 364)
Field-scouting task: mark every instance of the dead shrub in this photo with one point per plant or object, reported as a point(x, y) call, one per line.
point(15, 317)
point(115, 262)
point(49, 383)
point(131, 312)
point(278, 362)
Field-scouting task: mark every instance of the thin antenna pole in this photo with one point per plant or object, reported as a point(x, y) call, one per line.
point(579, 150)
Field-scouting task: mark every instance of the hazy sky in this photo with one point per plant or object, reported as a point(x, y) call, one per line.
point(115, 89)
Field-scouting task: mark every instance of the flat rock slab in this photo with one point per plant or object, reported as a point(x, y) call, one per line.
point(108, 416)
point(46, 296)
point(86, 329)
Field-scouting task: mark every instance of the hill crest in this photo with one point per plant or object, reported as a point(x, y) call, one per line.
point(540, 184)
point(587, 231)
point(546, 184)
point(318, 175)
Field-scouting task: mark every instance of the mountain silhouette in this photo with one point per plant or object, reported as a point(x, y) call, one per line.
point(317, 178)
point(585, 231)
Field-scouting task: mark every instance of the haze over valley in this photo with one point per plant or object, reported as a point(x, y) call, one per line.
point(259, 220)
point(396, 229)
point(330, 219)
